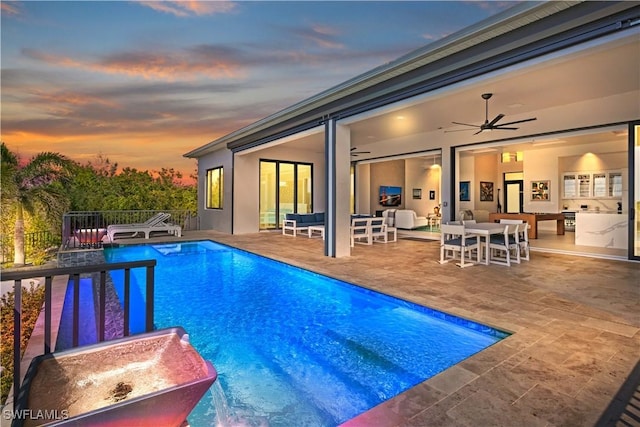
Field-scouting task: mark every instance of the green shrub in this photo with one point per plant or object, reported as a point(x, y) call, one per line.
point(32, 300)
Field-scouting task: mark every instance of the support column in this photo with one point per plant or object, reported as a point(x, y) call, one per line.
point(337, 217)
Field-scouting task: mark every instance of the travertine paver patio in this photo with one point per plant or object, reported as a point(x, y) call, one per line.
point(575, 324)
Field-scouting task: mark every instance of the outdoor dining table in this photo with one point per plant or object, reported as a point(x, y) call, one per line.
point(485, 230)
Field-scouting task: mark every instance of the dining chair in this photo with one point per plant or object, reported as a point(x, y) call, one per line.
point(523, 240)
point(453, 239)
point(505, 242)
point(511, 221)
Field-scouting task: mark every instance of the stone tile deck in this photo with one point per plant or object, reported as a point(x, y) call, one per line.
point(575, 324)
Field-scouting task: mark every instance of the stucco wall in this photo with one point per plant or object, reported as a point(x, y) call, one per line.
point(215, 219)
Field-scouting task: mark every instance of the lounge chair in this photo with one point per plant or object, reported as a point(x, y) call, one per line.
point(157, 224)
point(154, 220)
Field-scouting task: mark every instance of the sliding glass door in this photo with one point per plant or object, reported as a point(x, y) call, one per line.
point(285, 187)
point(634, 193)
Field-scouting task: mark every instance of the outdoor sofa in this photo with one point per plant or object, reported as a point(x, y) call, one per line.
point(294, 222)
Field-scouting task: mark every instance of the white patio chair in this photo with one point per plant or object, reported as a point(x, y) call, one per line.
point(511, 221)
point(505, 243)
point(360, 230)
point(453, 239)
point(523, 240)
point(378, 230)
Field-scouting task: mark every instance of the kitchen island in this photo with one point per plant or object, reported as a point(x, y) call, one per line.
point(532, 219)
point(602, 229)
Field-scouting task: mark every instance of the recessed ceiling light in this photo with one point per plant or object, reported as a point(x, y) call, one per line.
point(400, 117)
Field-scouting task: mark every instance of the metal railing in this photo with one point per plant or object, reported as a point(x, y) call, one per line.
point(33, 242)
point(87, 229)
point(74, 273)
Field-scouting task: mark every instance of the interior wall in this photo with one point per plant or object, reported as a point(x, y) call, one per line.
point(391, 173)
point(486, 170)
point(363, 189)
point(422, 175)
point(466, 173)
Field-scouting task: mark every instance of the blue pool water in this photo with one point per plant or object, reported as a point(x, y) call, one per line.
point(87, 330)
point(294, 348)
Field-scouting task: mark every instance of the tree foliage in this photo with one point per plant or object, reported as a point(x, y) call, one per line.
point(35, 188)
point(50, 184)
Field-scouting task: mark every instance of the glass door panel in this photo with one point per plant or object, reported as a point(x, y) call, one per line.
point(634, 181)
point(286, 190)
point(304, 189)
point(268, 195)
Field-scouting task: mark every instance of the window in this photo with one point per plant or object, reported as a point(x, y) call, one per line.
point(214, 188)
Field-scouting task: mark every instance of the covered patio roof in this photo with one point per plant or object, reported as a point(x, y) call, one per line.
point(586, 58)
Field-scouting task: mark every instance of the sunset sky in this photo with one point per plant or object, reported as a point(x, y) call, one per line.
point(143, 82)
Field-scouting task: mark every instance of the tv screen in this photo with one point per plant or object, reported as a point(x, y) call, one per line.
point(390, 196)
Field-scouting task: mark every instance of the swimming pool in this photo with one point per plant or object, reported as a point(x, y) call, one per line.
point(291, 347)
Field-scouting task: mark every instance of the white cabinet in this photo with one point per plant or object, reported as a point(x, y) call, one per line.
point(569, 186)
point(615, 184)
point(584, 185)
point(599, 185)
point(596, 185)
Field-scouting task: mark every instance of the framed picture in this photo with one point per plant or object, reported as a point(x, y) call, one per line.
point(432, 194)
point(417, 193)
point(486, 191)
point(540, 190)
point(390, 196)
point(465, 196)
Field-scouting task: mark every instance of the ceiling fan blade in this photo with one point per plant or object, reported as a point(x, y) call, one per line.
point(465, 124)
point(518, 121)
point(458, 130)
point(499, 127)
point(480, 131)
point(494, 121)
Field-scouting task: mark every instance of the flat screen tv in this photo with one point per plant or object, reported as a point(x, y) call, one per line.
point(390, 196)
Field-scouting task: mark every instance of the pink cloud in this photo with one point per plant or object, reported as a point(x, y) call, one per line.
point(10, 8)
point(189, 8)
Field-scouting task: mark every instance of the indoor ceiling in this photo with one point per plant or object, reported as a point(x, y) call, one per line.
point(586, 74)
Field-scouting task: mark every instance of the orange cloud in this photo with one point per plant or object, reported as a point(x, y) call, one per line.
point(189, 8)
point(218, 63)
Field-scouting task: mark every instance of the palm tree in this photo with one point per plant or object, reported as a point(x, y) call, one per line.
point(37, 184)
